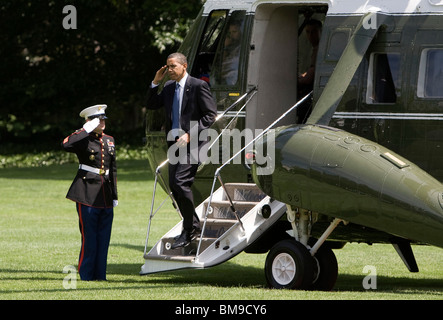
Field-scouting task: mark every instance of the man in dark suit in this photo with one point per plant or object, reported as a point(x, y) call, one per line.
point(189, 109)
point(94, 190)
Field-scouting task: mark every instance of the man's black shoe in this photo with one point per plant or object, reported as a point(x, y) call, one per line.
point(182, 241)
point(195, 233)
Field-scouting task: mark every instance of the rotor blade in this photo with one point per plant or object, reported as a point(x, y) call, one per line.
point(346, 68)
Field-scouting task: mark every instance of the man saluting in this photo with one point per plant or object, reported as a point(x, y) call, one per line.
point(189, 107)
point(94, 190)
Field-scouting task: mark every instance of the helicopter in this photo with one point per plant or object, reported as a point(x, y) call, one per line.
point(356, 152)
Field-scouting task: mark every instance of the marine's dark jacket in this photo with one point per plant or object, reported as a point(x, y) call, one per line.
point(97, 151)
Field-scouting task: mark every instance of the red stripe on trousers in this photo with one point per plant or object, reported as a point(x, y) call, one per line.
point(82, 251)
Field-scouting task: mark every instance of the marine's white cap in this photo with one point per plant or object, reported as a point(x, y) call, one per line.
point(95, 111)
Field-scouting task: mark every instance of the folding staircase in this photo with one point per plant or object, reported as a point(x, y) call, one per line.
point(223, 235)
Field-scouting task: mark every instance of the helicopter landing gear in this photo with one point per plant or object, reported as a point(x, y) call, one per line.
point(292, 264)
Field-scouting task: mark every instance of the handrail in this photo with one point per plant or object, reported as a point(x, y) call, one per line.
point(158, 172)
point(168, 191)
point(217, 172)
point(266, 130)
point(254, 90)
point(235, 102)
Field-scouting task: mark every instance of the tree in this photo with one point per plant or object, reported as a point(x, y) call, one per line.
point(50, 73)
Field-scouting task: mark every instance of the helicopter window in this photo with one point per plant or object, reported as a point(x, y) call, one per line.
point(383, 78)
point(430, 78)
point(226, 65)
point(337, 44)
point(208, 46)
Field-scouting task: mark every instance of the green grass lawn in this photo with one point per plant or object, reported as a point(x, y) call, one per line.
point(39, 237)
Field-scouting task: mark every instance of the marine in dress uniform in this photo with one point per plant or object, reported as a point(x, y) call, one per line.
point(94, 190)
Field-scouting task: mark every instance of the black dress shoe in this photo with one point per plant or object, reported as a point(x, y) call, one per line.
point(182, 241)
point(179, 235)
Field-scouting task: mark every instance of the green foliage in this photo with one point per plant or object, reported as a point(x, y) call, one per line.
point(48, 158)
point(49, 74)
point(41, 159)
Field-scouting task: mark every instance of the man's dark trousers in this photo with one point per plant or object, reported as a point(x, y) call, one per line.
point(95, 227)
point(181, 177)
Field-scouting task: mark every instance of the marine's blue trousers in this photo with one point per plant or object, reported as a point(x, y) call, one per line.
point(95, 227)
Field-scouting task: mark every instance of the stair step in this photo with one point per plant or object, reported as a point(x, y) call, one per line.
point(189, 250)
point(215, 228)
point(222, 209)
point(171, 257)
point(244, 192)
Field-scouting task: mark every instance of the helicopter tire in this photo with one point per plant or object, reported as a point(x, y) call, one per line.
point(325, 269)
point(289, 266)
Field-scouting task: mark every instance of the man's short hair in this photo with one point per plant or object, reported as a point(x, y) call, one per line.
point(180, 57)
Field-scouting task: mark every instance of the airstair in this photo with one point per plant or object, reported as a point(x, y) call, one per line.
point(232, 217)
point(225, 232)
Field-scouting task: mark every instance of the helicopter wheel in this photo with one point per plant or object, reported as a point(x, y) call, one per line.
point(289, 266)
point(325, 269)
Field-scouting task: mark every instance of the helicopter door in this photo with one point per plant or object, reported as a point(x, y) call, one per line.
point(280, 53)
point(273, 64)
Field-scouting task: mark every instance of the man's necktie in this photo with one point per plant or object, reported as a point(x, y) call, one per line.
point(175, 107)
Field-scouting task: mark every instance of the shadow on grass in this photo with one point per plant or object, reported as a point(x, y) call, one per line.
point(230, 274)
point(227, 275)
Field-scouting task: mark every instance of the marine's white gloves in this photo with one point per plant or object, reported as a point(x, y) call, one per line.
point(115, 203)
point(89, 126)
